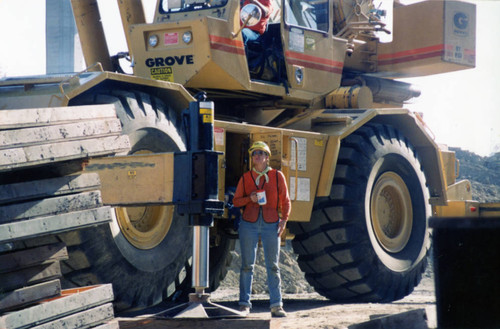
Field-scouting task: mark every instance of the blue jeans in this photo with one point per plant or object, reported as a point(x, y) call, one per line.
point(249, 237)
point(249, 35)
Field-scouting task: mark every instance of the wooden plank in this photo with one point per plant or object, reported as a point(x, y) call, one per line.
point(29, 276)
point(414, 319)
point(54, 224)
point(34, 256)
point(50, 206)
point(71, 301)
point(48, 187)
point(28, 295)
point(24, 137)
point(240, 323)
point(62, 151)
point(54, 115)
point(82, 320)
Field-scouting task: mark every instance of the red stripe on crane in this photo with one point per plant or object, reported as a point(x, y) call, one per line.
point(411, 55)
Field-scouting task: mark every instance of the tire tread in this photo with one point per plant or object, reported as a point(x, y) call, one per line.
point(334, 248)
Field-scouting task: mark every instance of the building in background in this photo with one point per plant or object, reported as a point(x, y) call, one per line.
point(63, 54)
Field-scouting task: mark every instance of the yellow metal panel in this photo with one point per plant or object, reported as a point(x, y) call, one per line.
point(178, 60)
point(213, 56)
point(423, 43)
point(220, 146)
point(301, 152)
point(228, 53)
point(328, 166)
point(461, 191)
point(449, 166)
point(457, 209)
point(453, 209)
point(315, 55)
point(135, 179)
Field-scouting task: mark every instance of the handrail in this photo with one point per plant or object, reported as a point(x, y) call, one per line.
point(296, 141)
point(233, 34)
point(61, 85)
point(425, 126)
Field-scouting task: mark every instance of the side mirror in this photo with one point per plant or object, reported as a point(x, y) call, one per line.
point(250, 14)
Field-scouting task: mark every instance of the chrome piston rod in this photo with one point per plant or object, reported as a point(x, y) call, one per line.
point(200, 258)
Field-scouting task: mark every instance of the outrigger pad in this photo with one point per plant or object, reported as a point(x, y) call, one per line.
point(200, 307)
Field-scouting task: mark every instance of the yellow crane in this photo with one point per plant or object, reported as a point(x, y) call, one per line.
point(319, 87)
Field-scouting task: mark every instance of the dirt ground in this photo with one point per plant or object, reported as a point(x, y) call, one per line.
point(306, 308)
point(310, 310)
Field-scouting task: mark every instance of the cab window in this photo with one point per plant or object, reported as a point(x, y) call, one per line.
point(308, 14)
point(173, 6)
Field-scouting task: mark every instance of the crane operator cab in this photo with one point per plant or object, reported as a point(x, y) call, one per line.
point(265, 56)
point(199, 44)
point(265, 53)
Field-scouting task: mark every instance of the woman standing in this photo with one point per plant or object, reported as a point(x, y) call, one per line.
point(263, 195)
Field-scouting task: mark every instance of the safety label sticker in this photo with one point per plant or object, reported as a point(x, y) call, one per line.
point(171, 38)
point(301, 152)
point(162, 73)
point(303, 189)
point(207, 116)
point(219, 135)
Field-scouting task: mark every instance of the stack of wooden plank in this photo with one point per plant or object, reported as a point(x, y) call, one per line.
point(32, 140)
point(49, 206)
point(30, 275)
point(33, 137)
point(43, 193)
point(88, 307)
point(31, 294)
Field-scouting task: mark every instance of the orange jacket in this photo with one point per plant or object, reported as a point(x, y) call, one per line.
point(276, 195)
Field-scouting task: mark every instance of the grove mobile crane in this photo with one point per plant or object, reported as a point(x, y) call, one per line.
point(364, 174)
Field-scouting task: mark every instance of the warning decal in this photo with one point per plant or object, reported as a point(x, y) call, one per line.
point(303, 189)
point(219, 135)
point(162, 73)
point(207, 115)
point(171, 38)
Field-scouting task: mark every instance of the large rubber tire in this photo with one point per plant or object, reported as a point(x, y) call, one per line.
point(368, 241)
point(152, 263)
point(143, 273)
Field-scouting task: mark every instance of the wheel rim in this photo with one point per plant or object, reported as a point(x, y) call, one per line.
point(391, 212)
point(144, 227)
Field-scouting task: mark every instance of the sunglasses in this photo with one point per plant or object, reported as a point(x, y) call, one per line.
point(258, 153)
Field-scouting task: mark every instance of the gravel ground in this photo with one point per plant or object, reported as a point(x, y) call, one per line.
point(308, 309)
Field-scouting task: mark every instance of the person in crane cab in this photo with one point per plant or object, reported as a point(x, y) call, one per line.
point(263, 194)
point(252, 33)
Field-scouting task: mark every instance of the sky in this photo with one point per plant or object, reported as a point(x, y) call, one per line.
point(460, 108)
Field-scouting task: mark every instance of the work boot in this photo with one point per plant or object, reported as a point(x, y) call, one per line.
point(278, 312)
point(244, 309)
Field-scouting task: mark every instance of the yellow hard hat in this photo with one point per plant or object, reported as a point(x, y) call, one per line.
point(259, 145)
